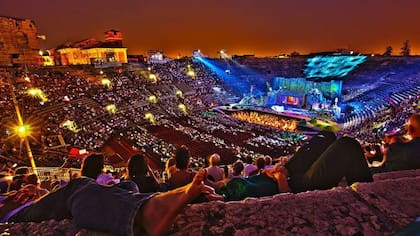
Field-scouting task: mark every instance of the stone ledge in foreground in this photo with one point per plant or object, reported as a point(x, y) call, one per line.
point(332, 212)
point(398, 199)
point(377, 208)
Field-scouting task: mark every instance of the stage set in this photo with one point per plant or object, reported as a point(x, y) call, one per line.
point(316, 95)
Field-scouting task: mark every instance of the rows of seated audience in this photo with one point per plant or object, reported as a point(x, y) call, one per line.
point(180, 159)
point(377, 84)
point(251, 174)
point(80, 97)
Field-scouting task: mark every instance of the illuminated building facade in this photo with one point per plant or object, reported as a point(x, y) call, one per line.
point(47, 57)
point(19, 42)
point(157, 56)
point(91, 51)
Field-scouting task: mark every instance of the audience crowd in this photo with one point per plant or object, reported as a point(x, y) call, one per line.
point(236, 149)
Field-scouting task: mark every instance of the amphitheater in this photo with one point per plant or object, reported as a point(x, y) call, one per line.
point(383, 207)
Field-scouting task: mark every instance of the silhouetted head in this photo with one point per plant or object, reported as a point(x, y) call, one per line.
point(182, 157)
point(249, 159)
point(93, 166)
point(32, 179)
point(260, 163)
point(238, 167)
point(137, 166)
point(22, 171)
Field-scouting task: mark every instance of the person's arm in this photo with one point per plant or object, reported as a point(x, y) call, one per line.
point(279, 173)
point(392, 155)
point(378, 163)
point(159, 212)
point(216, 184)
point(281, 179)
point(15, 199)
point(152, 174)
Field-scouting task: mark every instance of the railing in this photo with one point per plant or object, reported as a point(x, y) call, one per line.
point(46, 173)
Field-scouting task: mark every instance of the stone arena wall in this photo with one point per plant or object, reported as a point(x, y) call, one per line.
point(19, 43)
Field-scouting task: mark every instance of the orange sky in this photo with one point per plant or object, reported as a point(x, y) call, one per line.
point(261, 27)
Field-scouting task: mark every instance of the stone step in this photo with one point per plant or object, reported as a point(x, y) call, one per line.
point(378, 208)
point(398, 199)
point(332, 212)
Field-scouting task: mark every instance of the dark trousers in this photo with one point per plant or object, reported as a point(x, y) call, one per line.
point(90, 205)
point(342, 158)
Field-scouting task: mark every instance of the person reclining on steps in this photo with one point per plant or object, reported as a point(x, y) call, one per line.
point(104, 208)
point(320, 164)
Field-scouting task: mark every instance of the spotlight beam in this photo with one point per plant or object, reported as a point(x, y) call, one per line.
point(236, 84)
point(21, 125)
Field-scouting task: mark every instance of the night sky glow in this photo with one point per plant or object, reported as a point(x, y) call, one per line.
point(263, 27)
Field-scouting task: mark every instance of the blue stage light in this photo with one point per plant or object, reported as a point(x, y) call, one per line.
point(332, 66)
point(237, 84)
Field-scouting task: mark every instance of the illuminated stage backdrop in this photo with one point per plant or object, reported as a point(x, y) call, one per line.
point(330, 89)
point(321, 67)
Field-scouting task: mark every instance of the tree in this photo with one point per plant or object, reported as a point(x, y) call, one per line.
point(388, 51)
point(295, 54)
point(405, 50)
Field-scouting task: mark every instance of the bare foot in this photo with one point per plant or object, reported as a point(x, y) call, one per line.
point(196, 187)
point(159, 212)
